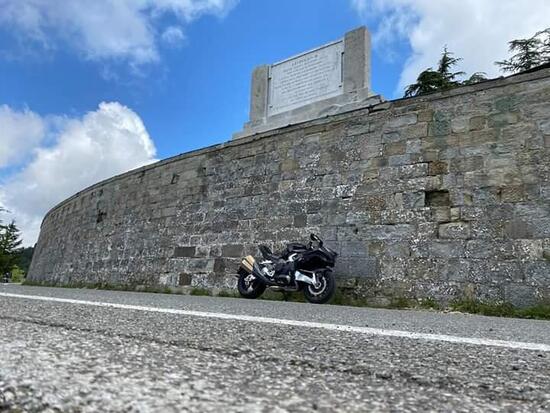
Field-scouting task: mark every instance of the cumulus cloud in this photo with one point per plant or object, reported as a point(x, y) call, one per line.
point(103, 29)
point(477, 31)
point(20, 132)
point(103, 143)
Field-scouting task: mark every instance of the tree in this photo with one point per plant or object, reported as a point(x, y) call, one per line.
point(436, 80)
point(25, 257)
point(529, 53)
point(475, 78)
point(9, 243)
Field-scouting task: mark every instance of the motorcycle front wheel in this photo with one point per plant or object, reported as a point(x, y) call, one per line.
point(323, 291)
point(250, 287)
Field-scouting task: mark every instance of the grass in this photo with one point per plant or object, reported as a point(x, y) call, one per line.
point(199, 291)
point(101, 286)
point(228, 293)
point(540, 311)
point(429, 304)
point(400, 302)
point(346, 299)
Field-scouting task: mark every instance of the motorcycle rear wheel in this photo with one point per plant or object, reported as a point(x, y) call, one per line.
point(323, 291)
point(250, 289)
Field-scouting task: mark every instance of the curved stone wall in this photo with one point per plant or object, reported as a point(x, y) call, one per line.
point(442, 196)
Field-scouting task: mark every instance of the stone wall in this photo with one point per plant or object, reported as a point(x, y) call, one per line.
point(444, 196)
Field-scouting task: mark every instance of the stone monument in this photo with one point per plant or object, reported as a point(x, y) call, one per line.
point(327, 80)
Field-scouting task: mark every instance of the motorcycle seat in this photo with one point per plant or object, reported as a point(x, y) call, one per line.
point(295, 247)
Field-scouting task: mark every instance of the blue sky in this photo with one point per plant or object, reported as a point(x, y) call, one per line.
point(197, 94)
point(92, 89)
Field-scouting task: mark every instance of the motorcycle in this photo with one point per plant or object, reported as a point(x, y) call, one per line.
point(297, 268)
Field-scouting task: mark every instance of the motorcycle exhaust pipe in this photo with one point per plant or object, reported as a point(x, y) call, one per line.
point(250, 265)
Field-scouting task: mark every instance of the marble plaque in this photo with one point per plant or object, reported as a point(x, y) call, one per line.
point(306, 78)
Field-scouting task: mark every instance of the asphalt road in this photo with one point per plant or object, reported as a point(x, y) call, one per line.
point(90, 351)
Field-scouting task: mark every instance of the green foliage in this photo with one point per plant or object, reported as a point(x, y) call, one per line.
point(199, 291)
point(490, 309)
point(429, 303)
point(540, 311)
point(399, 302)
point(341, 297)
point(25, 258)
point(528, 53)
point(475, 78)
point(228, 293)
point(443, 78)
point(17, 274)
point(9, 243)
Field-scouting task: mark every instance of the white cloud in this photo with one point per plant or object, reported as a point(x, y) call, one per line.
point(173, 36)
point(103, 29)
point(478, 31)
point(102, 143)
point(20, 133)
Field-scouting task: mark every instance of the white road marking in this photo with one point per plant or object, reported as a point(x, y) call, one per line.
point(297, 323)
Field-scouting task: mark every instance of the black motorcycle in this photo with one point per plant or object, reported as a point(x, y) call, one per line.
point(299, 267)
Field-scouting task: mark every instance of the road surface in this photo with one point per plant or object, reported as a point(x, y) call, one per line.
point(88, 351)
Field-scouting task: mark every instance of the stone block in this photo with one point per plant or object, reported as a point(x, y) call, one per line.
point(477, 123)
point(479, 249)
point(460, 124)
point(300, 221)
point(184, 279)
point(441, 214)
point(506, 103)
point(356, 60)
point(180, 252)
point(398, 160)
point(401, 121)
point(500, 120)
point(467, 164)
point(456, 214)
point(414, 146)
point(425, 115)
point(438, 168)
point(233, 250)
point(446, 249)
point(512, 194)
point(397, 249)
point(456, 269)
point(395, 148)
point(520, 295)
point(537, 273)
point(517, 228)
point(441, 124)
point(414, 200)
point(415, 131)
point(395, 232)
point(491, 271)
point(413, 171)
point(458, 230)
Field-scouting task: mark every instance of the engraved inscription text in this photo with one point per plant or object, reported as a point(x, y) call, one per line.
point(305, 79)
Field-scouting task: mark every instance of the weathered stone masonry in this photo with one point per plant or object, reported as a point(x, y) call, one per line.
point(442, 196)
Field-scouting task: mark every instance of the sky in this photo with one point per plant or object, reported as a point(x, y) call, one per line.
point(89, 90)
